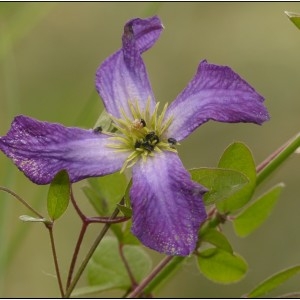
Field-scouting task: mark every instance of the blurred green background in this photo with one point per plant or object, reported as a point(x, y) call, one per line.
point(49, 53)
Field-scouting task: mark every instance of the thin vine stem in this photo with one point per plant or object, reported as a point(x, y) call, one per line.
point(77, 209)
point(97, 219)
point(2, 188)
point(75, 254)
point(127, 267)
point(79, 240)
point(172, 265)
point(91, 252)
point(49, 226)
point(277, 158)
point(106, 220)
point(140, 288)
point(85, 222)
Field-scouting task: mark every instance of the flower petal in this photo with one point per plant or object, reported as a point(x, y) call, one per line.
point(123, 75)
point(167, 205)
point(41, 149)
point(215, 93)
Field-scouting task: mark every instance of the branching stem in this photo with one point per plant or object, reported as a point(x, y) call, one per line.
point(91, 252)
point(86, 221)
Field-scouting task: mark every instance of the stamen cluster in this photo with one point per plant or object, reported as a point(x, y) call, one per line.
point(141, 133)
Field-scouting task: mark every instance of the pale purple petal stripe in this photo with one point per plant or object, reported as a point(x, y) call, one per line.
point(41, 149)
point(167, 205)
point(123, 76)
point(215, 93)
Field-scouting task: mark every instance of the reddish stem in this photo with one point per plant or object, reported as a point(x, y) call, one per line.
point(139, 289)
point(86, 221)
point(49, 226)
point(76, 252)
point(127, 267)
point(2, 188)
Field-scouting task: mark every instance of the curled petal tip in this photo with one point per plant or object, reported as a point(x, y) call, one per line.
point(215, 93)
point(123, 76)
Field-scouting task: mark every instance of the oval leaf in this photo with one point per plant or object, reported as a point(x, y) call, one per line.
point(221, 266)
point(238, 157)
point(273, 282)
point(255, 215)
point(58, 195)
point(106, 269)
point(221, 183)
point(217, 239)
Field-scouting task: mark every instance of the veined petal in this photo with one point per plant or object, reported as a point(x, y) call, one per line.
point(167, 205)
point(123, 75)
point(215, 93)
point(41, 149)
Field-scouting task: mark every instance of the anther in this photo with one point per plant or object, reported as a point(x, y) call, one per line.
point(172, 141)
point(147, 146)
point(137, 144)
point(152, 138)
point(98, 129)
point(143, 122)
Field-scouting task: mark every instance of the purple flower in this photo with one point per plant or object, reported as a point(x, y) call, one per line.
point(167, 205)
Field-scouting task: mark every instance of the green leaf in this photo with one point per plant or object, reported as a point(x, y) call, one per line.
point(273, 282)
point(254, 216)
point(58, 195)
point(26, 218)
point(128, 237)
point(94, 198)
point(238, 157)
point(105, 192)
point(106, 269)
point(217, 239)
point(221, 183)
point(294, 17)
point(117, 230)
point(221, 266)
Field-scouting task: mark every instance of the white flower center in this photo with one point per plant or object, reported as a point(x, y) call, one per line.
point(141, 133)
